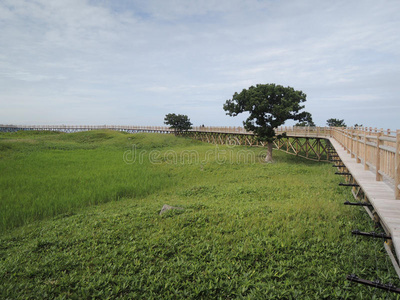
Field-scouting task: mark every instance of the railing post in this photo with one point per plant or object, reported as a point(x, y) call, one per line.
point(366, 167)
point(397, 167)
point(378, 157)
point(352, 142)
point(347, 140)
point(358, 142)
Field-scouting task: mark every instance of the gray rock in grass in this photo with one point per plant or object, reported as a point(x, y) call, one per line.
point(167, 207)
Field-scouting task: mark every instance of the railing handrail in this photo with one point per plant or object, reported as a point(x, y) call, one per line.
point(376, 149)
point(320, 131)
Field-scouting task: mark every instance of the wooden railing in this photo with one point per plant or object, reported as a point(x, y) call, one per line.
point(88, 127)
point(377, 150)
point(304, 131)
point(289, 130)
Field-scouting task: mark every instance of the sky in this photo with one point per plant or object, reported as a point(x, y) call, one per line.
point(131, 62)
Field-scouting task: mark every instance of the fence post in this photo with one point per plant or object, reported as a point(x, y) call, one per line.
point(366, 167)
point(352, 143)
point(397, 167)
point(358, 142)
point(378, 157)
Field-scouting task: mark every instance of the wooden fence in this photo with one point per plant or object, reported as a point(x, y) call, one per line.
point(377, 150)
point(73, 128)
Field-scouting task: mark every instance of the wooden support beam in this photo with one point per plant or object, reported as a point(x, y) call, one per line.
point(358, 203)
point(343, 173)
point(307, 146)
point(372, 234)
point(388, 247)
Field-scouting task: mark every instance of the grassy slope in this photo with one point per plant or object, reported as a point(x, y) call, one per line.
point(47, 174)
point(248, 229)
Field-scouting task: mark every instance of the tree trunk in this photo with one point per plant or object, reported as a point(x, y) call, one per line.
point(268, 158)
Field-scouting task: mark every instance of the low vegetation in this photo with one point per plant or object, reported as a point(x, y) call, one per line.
point(80, 219)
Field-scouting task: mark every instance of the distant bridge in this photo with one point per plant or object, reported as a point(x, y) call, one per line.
point(369, 159)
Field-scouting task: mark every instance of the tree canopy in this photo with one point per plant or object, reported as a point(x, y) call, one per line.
point(179, 123)
point(269, 106)
point(307, 121)
point(335, 123)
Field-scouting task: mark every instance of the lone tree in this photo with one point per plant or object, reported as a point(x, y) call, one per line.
point(335, 123)
point(179, 123)
point(269, 106)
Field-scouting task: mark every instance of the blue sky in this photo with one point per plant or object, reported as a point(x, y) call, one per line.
point(132, 62)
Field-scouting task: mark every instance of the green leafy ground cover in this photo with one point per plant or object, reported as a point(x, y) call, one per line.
point(79, 219)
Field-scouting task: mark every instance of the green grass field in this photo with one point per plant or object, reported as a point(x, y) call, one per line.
point(79, 219)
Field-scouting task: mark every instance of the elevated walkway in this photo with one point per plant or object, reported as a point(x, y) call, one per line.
point(379, 193)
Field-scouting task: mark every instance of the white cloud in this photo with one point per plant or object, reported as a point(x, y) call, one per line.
point(150, 56)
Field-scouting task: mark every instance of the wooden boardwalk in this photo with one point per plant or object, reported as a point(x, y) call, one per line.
point(380, 194)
